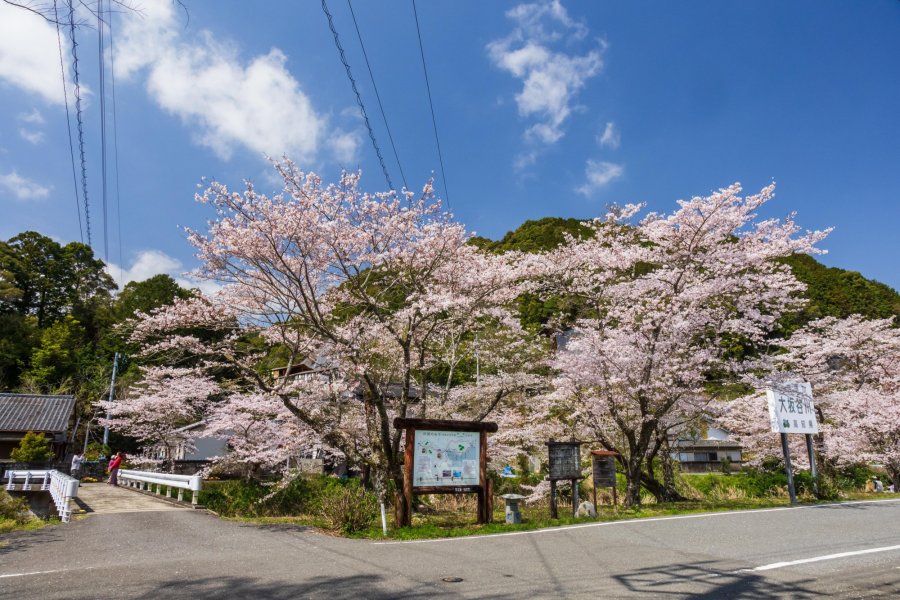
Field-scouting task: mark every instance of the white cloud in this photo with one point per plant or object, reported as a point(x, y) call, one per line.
point(34, 117)
point(228, 102)
point(23, 188)
point(29, 55)
point(610, 138)
point(345, 147)
point(551, 79)
point(155, 262)
point(33, 137)
point(598, 174)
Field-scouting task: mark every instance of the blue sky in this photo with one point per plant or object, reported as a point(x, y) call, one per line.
point(543, 109)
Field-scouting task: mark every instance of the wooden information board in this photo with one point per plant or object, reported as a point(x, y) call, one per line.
point(446, 457)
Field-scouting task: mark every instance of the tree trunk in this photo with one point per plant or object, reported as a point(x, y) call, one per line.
point(633, 468)
point(894, 471)
point(668, 467)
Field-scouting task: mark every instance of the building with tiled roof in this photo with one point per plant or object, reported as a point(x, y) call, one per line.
point(21, 413)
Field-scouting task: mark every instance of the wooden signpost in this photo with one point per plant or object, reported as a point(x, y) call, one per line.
point(565, 464)
point(446, 457)
point(603, 463)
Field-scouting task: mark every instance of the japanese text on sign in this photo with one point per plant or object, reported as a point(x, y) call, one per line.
point(791, 408)
point(446, 458)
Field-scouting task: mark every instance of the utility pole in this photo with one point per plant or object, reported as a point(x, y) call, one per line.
point(112, 393)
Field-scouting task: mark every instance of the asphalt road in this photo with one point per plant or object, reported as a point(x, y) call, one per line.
point(191, 554)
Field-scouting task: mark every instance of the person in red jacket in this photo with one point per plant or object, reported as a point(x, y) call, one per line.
point(113, 468)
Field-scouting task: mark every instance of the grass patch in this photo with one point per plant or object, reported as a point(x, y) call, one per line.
point(10, 525)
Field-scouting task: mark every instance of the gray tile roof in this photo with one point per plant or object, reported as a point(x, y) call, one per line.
point(32, 412)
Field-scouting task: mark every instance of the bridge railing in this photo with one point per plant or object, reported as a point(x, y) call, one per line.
point(143, 480)
point(62, 488)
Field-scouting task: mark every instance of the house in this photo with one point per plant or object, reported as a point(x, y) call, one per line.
point(21, 413)
point(706, 450)
point(202, 448)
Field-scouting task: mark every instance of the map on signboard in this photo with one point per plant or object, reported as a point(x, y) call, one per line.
point(446, 458)
point(791, 408)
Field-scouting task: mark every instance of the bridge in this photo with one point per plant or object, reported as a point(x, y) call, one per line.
point(139, 491)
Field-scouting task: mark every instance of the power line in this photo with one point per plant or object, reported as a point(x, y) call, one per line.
point(112, 76)
point(377, 95)
point(102, 128)
point(362, 108)
point(431, 104)
point(78, 114)
point(62, 69)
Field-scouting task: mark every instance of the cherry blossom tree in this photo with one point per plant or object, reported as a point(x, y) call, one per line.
point(665, 301)
point(165, 399)
point(384, 291)
point(853, 366)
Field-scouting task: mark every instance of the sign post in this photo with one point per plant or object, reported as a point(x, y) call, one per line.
point(446, 457)
point(603, 463)
point(791, 410)
point(565, 464)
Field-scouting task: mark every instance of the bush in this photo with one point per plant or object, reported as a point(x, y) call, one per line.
point(95, 449)
point(34, 447)
point(291, 497)
point(348, 507)
point(14, 509)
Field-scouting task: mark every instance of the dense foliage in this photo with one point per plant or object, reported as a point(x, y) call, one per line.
point(59, 318)
point(34, 447)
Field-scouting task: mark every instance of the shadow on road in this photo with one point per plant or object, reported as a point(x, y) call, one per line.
point(354, 586)
point(286, 527)
point(14, 542)
point(708, 579)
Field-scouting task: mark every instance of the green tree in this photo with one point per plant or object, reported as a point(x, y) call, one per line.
point(34, 447)
point(53, 280)
point(57, 362)
point(18, 336)
point(144, 296)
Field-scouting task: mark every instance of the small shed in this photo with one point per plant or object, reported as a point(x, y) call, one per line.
point(21, 413)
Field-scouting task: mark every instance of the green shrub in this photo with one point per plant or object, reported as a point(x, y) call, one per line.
point(235, 498)
point(349, 507)
point(239, 498)
point(853, 477)
point(14, 509)
point(34, 447)
point(95, 449)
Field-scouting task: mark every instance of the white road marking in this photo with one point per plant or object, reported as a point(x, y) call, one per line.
point(44, 572)
point(803, 561)
point(632, 521)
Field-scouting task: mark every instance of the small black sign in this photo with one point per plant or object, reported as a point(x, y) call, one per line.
point(565, 460)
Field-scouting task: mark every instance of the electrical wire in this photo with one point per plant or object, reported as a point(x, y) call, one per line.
point(377, 95)
point(62, 70)
point(362, 108)
point(102, 70)
point(112, 77)
point(80, 120)
point(431, 105)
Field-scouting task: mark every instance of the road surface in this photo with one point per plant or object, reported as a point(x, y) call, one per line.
point(849, 550)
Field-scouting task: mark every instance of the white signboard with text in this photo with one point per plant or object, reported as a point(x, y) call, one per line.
point(446, 458)
point(791, 408)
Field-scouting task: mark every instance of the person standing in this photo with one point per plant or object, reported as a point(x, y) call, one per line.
point(77, 461)
point(113, 468)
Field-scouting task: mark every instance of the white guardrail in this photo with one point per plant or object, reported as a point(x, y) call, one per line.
point(62, 488)
point(142, 480)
